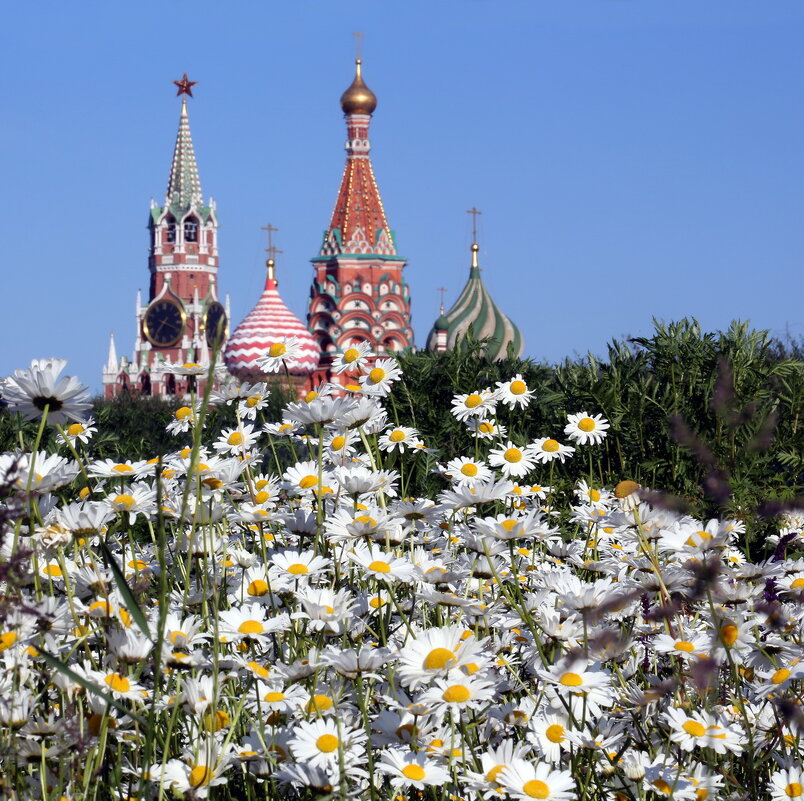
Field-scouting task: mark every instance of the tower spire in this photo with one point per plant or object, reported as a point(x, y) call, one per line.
point(358, 223)
point(184, 185)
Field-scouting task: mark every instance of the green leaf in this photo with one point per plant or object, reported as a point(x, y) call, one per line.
point(56, 663)
point(125, 591)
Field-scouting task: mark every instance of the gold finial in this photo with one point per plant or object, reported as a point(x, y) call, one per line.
point(358, 98)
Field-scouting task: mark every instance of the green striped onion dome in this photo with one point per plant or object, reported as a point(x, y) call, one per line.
point(476, 312)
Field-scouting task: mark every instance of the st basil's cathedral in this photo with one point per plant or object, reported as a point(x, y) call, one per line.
point(358, 295)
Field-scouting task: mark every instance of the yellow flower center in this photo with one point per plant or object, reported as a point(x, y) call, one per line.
point(509, 524)
point(376, 602)
point(513, 455)
point(662, 786)
point(456, 694)
point(376, 375)
point(536, 789)
point(586, 424)
point(308, 481)
point(550, 445)
point(351, 355)
point(397, 435)
point(793, 790)
point(75, 429)
point(52, 570)
point(124, 500)
point(117, 682)
point(183, 413)
point(571, 680)
point(367, 520)
point(694, 728)
point(518, 388)
point(327, 743)
point(438, 659)
point(469, 469)
point(683, 645)
point(729, 633)
point(258, 587)
point(486, 428)
point(555, 733)
point(414, 772)
point(625, 488)
point(492, 775)
point(310, 396)
point(780, 676)
point(337, 443)
point(123, 468)
point(7, 639)
point(191, 365)
point(84, 493)
point(378, 566)
point(199, 775)
point(798, 583)
point(594, 495)
point(259, 669)
point(298, 569)
point(253, 401)
point(261, 497)
point(235, 438)
point(473, 400)
point(251, 627)
point(319, 703)
point(273, 697)
point(277, 349)
point(137, 564)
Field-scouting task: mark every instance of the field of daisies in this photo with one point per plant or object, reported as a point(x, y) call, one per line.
point(271, 611)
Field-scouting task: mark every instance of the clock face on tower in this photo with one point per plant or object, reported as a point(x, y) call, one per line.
point(215, 324)
point(163, 323)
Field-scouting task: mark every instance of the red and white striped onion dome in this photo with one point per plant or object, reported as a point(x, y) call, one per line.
point(268, 322)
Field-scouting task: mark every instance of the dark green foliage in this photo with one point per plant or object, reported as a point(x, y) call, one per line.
point(714, 418)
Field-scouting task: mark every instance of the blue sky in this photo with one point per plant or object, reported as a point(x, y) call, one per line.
point(632, 158)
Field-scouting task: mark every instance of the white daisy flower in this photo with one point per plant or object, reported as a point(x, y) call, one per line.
point(512, 460)
point(280, 352)
point(39, 386)
point(527, 780)
point(546, 449)
point(586, 430)
point(354, 357)
point(480, 403)
point(515, 392)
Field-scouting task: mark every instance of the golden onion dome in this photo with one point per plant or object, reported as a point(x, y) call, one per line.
point(358, 98)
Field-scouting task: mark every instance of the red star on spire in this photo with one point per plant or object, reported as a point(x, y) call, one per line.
point(185, 86)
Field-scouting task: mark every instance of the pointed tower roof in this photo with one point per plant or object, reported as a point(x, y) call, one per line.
point(476, 314)
point(358, 224)
point(269, 321)
point(184, 185)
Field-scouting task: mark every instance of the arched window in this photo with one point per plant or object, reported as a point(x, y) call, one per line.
point(170, 233)
point(145, 384)
point(170, 385)
point(191, 230)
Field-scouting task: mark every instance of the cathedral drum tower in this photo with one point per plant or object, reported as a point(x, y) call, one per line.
point(183, 319)
point(359, 293)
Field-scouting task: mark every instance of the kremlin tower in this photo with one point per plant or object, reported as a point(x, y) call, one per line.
point(359, 293)
point(183, 319)
point(477, 316)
